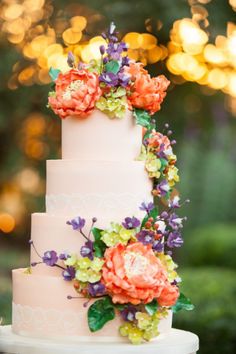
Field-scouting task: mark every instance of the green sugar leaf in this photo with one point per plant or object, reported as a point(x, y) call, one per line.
point(99, 313)
point(98, 245)
point(152, 307)
point(112, 66)
point(183, 303)
point(142, 118)
point(54, 73)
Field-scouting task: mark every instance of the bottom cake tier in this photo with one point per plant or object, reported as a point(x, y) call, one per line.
point(41, 309)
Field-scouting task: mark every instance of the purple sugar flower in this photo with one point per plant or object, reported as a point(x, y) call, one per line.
point(76, 223)
point(124, 78)
point(70, 59)
point(147, 207)
point(128, 313)
point(131, 223)
point(146, 237)
point(96, 289)
point(174, 203)
point(163, 187)
point(175, 221)
point(158, 246)
point(112, 28)
point(164, 215)
point(102, 49)
point(109, 78)
point(87, 250)
point(63, 256)
point(69, 273)
point(174, 239)
point(125, 61)
point(50, 258)
point(105, 60)
point(161, 152)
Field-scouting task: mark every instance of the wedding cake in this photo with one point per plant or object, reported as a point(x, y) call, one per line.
point(101, 255)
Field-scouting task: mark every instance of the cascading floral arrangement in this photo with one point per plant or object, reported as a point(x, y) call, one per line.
point(126, 268)
point(112, 84)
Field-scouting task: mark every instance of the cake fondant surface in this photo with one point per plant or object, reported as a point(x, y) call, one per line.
point(98, 188)
point(99, 138)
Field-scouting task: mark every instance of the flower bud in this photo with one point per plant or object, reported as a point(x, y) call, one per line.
point(102, 49)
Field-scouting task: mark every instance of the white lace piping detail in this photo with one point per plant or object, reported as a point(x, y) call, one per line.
point(40, 322)
point(108, 205)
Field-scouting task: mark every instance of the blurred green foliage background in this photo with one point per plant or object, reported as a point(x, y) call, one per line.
point(203, 121)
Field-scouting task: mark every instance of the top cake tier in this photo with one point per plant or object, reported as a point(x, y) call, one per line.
point(100, 138)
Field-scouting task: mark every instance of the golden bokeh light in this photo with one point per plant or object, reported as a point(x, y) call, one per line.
point(143, 47)
point(28, 179)
point(70, 36)
point(7, 223)
point(78, 23)
point(189, 54)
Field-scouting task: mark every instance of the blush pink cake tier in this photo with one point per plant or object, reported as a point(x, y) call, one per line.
point(97, 176)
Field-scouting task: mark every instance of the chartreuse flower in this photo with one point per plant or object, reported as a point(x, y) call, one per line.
point(115, 234)
point(153, 165)
point(71, 261)
point(134, 334)
point(144, 328)
point(114, 104)
point(143, 154)
point(172, 175)
point(88, 270)
point(170, 266)
point(143, 320)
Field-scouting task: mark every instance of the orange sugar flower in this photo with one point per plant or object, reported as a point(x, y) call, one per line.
point(169, 295)
point(76, 93)
point(148, 93)
point(135, 69)
point(157, 139)
point(133, 274)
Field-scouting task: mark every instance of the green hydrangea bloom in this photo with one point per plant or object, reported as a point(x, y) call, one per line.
point(115, 234)
point(153, 165)
point(71, 261)
point(125, 328)
point(114, 104)
point(84, 263)
point(143, 154)
point(88, 275)
point(170, 266)
point(97, 264)
point(152, 330)
point(88, 270)
point(135, 335)
point(149, 325)
point(144, 320)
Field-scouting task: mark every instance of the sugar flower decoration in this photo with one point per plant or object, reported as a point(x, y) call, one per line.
point(133, 274)
point(76, 93)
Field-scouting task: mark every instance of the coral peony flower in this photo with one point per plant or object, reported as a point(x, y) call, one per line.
point(133, 274)
point(148, 93)
point(75, 94)
point(134, 69)
point(169, 295)
point(157, 139)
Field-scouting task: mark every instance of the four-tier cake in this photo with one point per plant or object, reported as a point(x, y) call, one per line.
point(101, 254)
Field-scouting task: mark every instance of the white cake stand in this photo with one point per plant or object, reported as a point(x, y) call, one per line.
point(175, 342)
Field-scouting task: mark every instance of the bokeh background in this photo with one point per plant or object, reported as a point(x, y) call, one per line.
point(194, 44)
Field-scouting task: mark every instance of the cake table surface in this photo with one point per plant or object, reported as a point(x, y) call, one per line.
point(175, 342)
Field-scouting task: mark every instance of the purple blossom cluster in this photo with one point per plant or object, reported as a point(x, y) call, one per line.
point(114, 61)
point(164, 229)
point(131, 223)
